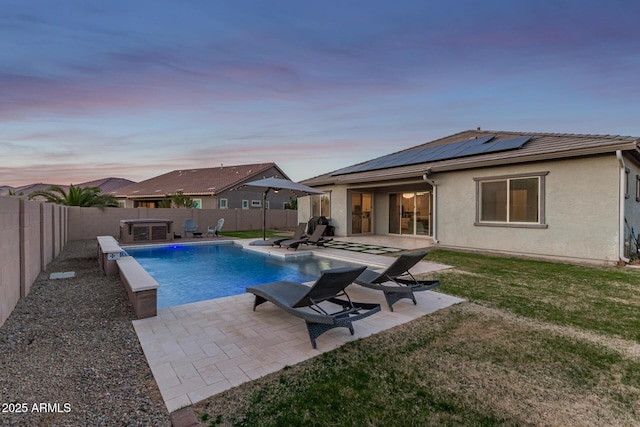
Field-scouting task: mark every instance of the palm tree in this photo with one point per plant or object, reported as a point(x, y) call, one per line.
point(76, 196)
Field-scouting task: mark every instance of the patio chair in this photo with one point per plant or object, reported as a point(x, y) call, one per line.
point(215, 231)
point(298, 234)
point(315, 239)
point(396, 281)
point(190, 226)
point(312, 304)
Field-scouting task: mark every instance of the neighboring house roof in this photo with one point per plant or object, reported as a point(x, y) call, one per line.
point(208, 181)
point(28, 189)
point(106, 185)
point(540, 146)
point(5, 189)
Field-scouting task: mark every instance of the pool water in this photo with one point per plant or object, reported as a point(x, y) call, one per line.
point(190, 273)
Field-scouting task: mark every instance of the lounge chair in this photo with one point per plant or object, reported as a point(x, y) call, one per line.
point(396, 281)
point(190, 226)
point(298, 234)
point(315, 239)
point(312, 303)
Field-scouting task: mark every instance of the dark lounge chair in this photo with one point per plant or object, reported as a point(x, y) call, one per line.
point(312, 304)
point(396, 281)
point(298, 234)
point(316, 238)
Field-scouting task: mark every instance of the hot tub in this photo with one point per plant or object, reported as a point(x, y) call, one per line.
point(145, 230)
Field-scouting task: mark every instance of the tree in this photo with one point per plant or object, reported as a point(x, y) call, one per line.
point(180, 200)
point(291, 204)
point(165, 203)
point(76, 196)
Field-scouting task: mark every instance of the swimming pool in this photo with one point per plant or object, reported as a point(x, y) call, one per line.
point(190, 273)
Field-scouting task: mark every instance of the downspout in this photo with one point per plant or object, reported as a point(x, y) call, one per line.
point(426, 179)
point(623, 178)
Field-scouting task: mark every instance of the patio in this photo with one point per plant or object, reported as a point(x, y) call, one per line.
point(198, 350)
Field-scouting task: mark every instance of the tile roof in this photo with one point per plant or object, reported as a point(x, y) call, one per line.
point(542, 146)
point(107, 185)
point(207, 181)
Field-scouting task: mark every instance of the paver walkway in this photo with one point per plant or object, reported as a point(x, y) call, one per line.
point(198, 350)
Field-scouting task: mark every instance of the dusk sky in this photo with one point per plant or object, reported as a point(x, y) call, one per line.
point(134, 89)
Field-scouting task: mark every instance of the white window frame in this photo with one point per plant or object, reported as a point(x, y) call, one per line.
point(197, 203)
point(245, 204)
point(266, 204)
point(224, 203)
point(256, 203)
point(541, 176)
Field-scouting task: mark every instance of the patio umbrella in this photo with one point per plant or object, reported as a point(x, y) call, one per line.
point(278, 185)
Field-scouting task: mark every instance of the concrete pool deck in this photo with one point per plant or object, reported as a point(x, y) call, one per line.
point(201, 349)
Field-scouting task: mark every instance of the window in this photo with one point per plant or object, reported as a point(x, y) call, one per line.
point(321, 205)
point(516, 200)
point(626, 183)
point(197, 203)
point(637, 188)
point(245, 204)
point(256, 203)
point(224, 203)
point(266, 204)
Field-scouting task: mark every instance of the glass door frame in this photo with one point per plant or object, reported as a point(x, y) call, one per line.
point(362, 220)
point(411, 218)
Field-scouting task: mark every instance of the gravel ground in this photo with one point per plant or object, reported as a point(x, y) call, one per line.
point(70, 345)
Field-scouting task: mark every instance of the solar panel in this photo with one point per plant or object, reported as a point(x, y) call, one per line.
point(510, 144)
point(454, 150)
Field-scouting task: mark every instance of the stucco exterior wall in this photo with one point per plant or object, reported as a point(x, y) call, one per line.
point(582, 201)
point(339, 208)
point(632, 204)
point(582, 205)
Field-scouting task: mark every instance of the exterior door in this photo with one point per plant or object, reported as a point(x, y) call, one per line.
point(361, 209)
point(410, 213)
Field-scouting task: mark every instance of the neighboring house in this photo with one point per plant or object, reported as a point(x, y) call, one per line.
point(561, 196)
point(210, 188)
point(106, 185)
point(5, 190)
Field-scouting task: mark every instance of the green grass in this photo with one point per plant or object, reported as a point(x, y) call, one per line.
point(600, 299)
point(537, 343)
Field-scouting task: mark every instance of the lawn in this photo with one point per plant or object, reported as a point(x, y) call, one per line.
point(537, 343)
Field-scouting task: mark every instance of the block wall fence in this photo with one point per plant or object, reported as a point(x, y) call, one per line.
point(33, 233)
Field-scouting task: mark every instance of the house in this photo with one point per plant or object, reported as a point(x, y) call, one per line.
point(560, 196)
point(210, 188)
point(106, 185)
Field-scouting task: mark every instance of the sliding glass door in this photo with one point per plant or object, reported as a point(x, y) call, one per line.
point(361, 207)
point(410, 213)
